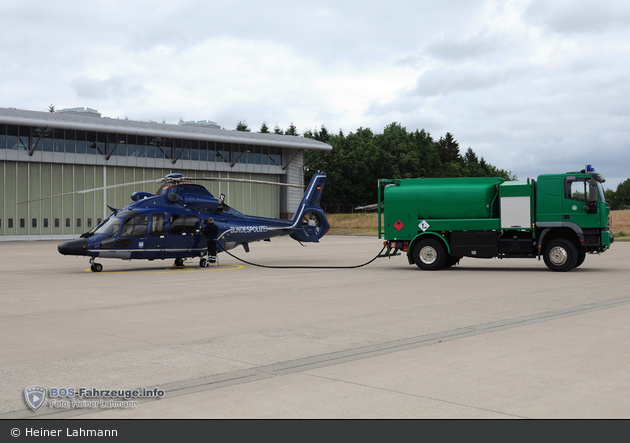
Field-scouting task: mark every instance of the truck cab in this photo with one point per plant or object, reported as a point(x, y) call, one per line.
point(573, 206)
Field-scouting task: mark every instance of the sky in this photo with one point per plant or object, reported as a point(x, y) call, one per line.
point(532, 86)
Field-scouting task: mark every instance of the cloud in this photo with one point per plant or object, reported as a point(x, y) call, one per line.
point(461, 49)
point(529, 85)
point(579, 16)
point(453, 81)
point(111, 88)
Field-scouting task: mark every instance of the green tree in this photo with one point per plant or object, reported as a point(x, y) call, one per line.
point(51, 108)
point(322, 135)
point(277, 130)
point(622, 194)
point(264, 129)
point(242, 126)
point(448, 149)
point(291, 130)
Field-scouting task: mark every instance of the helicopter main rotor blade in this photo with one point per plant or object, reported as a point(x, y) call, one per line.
point(85, 191)
point(243, 180)
point(165, 180)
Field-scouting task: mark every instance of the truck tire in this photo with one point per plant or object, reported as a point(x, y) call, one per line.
point(429, 254)
point(560, 255)
point(580, 259)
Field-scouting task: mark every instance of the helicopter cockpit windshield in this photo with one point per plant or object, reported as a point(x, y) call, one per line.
point(110, 227)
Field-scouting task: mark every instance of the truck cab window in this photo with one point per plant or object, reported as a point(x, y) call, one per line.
point(584, 191)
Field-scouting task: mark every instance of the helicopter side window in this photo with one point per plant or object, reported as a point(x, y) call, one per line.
point(176, 224)
point(157, 224)
point(183, 224)
point(191, 223)
point(135, 226)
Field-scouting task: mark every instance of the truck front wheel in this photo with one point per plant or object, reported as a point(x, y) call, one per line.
point(560, 255)
point(429, 254)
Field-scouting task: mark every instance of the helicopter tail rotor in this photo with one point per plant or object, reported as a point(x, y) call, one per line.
point(310, 221)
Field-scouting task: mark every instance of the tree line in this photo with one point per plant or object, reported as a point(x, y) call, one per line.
point(360, 158)
point(620, 198)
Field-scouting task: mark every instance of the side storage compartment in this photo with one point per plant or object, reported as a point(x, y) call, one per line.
point(482, 244)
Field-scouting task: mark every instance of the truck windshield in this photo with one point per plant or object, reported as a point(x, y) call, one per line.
point(600, 190)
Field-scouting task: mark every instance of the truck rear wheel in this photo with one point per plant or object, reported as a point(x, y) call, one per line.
point(429, 254)
point(560, 255)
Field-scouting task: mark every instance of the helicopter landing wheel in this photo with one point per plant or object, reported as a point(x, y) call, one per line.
point(203, 263)
point(96, 267)
point(179, 262)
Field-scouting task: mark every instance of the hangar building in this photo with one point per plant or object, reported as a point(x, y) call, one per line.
point(46, 158)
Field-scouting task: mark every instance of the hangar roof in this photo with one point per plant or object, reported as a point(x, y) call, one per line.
point(57, 120)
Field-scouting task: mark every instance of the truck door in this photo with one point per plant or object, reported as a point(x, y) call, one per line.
point(581, 203)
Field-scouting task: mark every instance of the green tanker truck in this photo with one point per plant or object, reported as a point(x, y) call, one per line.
point(559, 217)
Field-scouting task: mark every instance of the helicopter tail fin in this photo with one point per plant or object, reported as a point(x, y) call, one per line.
point(309, 220)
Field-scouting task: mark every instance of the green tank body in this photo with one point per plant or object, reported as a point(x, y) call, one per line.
point(447, 198)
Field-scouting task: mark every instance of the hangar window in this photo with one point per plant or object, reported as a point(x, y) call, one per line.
point(67, 222)
point(22, 223)
point(3, 136)
point(68, 145)
point(45, 223)
point(34, 223)
point(12, 137)
point(81, 144)
point(10, 223)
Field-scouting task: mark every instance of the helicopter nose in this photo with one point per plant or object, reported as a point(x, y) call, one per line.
point(73, 247)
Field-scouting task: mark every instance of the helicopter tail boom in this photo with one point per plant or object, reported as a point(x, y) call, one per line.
point(309, 220)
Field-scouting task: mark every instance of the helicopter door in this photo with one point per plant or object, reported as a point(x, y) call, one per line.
point(183, 234)
point(156, 239)
point(133, 233)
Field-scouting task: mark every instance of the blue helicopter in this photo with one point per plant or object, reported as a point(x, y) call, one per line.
point(169, 224)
